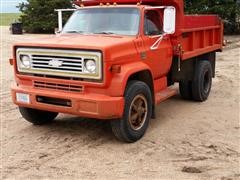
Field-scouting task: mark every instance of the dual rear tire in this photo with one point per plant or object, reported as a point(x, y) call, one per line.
point(199, 87)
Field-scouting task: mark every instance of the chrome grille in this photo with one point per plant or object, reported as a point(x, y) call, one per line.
point(62, 63)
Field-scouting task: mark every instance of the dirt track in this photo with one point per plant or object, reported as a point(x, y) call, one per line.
point(188, 140)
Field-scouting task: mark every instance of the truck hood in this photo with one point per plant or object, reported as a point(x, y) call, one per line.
point(112, 46)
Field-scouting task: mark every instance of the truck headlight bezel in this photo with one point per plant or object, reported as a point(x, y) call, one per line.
point(25, 61)
point(90, 66)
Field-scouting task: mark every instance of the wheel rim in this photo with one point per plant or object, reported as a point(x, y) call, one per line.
point(138, 112)
point(206, 82)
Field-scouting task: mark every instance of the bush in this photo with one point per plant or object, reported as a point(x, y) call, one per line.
point(38, 16)
point(228, 10)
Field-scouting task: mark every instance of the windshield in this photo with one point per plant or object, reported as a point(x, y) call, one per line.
point(120, 21)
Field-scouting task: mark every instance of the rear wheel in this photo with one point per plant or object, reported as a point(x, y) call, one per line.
point(202, 81)
point(37, 117)
point(137, 113)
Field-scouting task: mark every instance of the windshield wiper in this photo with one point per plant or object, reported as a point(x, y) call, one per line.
point(79, 32)
point(104, 32)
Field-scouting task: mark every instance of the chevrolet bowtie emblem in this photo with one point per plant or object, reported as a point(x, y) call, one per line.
point(55, 63)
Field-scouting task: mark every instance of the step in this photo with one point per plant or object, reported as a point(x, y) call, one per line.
point(165, 94)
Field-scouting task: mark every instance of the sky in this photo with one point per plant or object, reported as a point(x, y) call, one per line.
point(9, 6)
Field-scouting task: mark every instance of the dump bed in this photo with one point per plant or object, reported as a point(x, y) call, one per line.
point(201, 34)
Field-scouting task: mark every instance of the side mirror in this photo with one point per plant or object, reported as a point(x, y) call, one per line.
point(169, 21)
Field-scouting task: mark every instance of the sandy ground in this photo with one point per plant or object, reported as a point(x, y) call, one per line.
point(188, 140)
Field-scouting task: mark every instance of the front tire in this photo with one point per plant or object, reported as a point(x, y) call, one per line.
point(137, 113)
point(37, 117)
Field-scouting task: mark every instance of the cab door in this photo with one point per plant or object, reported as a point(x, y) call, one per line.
point(157, 46)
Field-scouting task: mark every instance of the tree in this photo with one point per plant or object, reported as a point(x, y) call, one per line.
point(228, 10)
point(38, 16)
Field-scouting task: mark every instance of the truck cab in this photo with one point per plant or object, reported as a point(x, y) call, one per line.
point(116, 61)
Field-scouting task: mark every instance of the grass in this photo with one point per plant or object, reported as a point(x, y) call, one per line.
point(7, 18)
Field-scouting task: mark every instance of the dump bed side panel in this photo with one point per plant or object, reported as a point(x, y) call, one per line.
point(201, 34)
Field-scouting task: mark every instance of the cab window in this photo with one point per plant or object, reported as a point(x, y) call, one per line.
point(152, 23)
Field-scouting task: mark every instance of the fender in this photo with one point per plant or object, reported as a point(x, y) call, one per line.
point(119, 80)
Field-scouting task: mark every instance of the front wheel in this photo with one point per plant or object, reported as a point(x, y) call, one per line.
point(37, 117)
point(137, 113)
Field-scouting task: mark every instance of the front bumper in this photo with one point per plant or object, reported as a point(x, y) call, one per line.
point(82, 104)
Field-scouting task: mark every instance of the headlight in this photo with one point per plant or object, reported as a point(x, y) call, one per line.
point(90, 65)
point(25, 61)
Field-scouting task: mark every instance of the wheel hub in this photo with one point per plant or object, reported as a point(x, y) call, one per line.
point(138, 112)
point(206, 82)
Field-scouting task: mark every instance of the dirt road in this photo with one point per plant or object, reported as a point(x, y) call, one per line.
point(188, 140)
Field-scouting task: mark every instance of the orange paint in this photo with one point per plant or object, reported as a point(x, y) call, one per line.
point(122, 57)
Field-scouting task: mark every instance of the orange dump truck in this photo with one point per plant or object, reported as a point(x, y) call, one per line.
point(116, 60)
